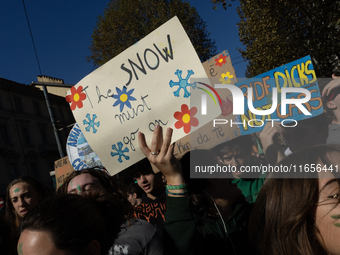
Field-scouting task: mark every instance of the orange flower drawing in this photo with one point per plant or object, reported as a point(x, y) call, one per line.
point(220, 60)
point(186, 118)
point(76, 97)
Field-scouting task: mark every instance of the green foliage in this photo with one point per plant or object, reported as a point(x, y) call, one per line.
point(276, 32)
point(223, 2)
point(125, 22)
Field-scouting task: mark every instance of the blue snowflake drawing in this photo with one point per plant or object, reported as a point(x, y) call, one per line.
point(91, 123)
point(123, 98)
point(182, 83)
point(119, 152)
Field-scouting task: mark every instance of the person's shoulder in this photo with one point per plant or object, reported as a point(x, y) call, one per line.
point(138, 225)
point(334, 127)
point(141, 228)
point(141, 224)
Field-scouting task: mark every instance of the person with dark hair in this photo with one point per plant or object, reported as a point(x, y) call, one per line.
point(71, 224)
point(237, 153)
point(136, 236)
point(152, 208)
point(204, 216)
point(134, 193)
point(23, 194)
point(298, 212)
point(91, 179)
point(331, 102)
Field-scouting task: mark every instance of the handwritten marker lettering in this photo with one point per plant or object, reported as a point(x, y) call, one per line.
point(127, 116)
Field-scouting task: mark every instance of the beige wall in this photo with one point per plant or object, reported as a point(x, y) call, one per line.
point(54, 90)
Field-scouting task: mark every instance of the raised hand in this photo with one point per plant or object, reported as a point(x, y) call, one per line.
point(160, 154)
point(268, 132)
point(335, 83)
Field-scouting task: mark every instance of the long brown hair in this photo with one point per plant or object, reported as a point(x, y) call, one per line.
point(11, 215)
point(283, 217)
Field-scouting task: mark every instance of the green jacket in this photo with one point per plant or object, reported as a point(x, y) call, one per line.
point(184, 234)
point(250, 187)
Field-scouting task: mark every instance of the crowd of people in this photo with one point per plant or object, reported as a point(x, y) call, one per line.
point(164, 211)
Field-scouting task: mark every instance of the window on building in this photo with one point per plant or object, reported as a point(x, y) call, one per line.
point(4, 134)
point(37, 108)
point(27, 135)
point(18, 104)
point(43, 134)
point(1, 103)
point(34, 171)
point(13, 170)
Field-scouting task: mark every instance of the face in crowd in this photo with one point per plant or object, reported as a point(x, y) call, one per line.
point(68, 224)
point(132, 198)
point(83, 184)
point(327, 215)
point(302, 206)
point(149, 182)
point(24, 197)
point(38, 242)
point(333, 100)
point(235, 157)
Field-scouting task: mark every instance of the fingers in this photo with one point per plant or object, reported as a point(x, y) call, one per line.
point(326, 90)
point(273, 126)
point(270, 129)
point(278, 127)
point(158, 145)
point(157, 140)
point(331, 85)
point(166, 148)
point(142, 144)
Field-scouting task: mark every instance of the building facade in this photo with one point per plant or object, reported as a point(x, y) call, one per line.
point(27, 142)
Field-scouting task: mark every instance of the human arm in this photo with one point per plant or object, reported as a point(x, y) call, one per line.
point(161, 156)
point(179, 226)
point(270, 147)
point(335, 83)
point(179, 229)
point(155, 245)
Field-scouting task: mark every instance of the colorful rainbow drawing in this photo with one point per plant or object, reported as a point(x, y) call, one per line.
point(208, 92)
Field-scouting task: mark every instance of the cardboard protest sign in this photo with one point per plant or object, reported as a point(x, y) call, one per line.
point(148, 84)
point(297, 74)
point(62, 169)
point(219, 70)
